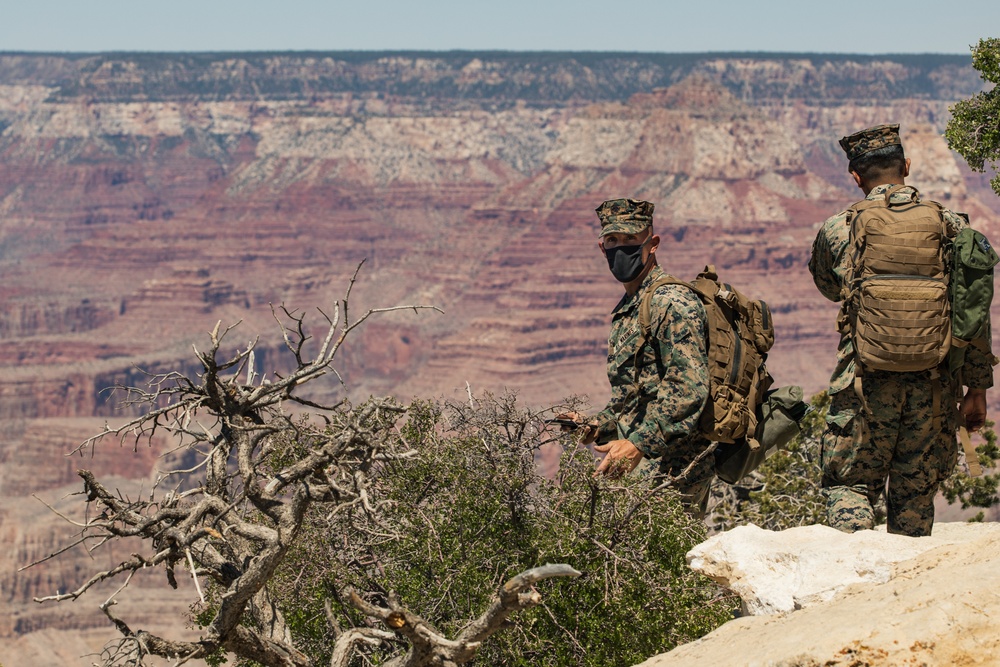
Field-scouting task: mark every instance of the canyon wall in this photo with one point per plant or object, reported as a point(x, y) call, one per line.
point(145, 197)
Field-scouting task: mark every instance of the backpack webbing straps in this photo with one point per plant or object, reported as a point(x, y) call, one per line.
point(752, 424)
point(971, 457)
point(863, 417)
point(936, 400)
point(859, 389)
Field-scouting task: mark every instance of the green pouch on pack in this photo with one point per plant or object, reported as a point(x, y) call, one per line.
point(973, 259)
point(778, 420)
point(971, 284)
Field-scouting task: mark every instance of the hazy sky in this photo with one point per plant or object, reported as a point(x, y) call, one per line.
point(827, 26)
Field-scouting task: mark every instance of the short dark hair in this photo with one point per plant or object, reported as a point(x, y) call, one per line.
point(888, 159)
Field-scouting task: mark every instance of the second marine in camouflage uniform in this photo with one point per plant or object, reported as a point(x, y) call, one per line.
point(659, 417)
point(899, 442)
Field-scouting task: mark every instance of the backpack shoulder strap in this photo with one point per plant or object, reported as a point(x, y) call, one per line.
point(948, 233)
point(855, 211)
point(856, 241)
point(645, 318)
point(864, 205)
point(645, 305)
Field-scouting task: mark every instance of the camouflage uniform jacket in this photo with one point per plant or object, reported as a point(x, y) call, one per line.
point(673, 378)
point(827, 266)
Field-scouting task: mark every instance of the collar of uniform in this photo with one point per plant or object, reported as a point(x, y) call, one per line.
point(627, 301)
point(903, 195)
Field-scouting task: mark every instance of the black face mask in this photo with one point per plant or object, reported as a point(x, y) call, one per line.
point(625, 262)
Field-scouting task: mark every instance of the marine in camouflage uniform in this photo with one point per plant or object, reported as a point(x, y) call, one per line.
point(659, 416)
point(898, 442)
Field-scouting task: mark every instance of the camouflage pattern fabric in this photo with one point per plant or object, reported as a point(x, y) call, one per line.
point(871, 139)
point(624, 216)
point(858, 457)
point(897, 444)
point(661, 418)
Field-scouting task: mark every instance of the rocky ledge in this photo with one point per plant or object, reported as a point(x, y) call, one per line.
point(822, 597)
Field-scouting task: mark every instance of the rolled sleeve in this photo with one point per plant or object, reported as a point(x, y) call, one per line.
point(977, 369)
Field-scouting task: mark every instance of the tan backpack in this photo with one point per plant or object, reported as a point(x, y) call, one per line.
point(740, 332)
point(896, 308)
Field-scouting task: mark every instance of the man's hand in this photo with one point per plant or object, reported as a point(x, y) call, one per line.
point(974, 409)
point(590, 430)
point(622, 458)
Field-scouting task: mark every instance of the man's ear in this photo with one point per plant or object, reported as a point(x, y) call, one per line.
point(857, 179)
point(654, 243)
point(906, 167)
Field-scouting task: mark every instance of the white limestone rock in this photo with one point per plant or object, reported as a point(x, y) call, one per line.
point(775, 572)
point(938, 608)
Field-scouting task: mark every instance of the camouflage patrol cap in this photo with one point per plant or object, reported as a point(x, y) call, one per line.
point(624, 216)
point(872, 139)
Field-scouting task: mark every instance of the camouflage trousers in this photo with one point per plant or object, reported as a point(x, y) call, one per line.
point(893, 448)
point(694, 488)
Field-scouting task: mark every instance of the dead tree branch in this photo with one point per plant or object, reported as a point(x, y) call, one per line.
point(429, 647)
point(259, 469)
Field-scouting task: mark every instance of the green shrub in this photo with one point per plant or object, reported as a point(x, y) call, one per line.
point(472, 511)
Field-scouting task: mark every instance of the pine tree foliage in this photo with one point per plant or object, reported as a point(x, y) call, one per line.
point(974, 128)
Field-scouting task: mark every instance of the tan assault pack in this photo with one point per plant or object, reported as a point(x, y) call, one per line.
point(740, 333)
point(896, 306)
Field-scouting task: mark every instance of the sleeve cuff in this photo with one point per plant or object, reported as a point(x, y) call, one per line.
point(637, 440)
point(980, 383)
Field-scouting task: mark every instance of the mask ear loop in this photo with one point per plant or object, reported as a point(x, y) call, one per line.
point(645, 264)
